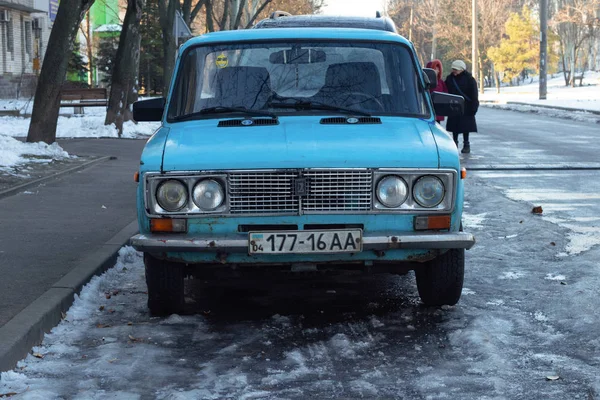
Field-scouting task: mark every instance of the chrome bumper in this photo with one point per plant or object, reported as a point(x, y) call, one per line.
point(239, 244)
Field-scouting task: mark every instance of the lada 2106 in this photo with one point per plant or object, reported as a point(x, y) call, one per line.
point(300, 148)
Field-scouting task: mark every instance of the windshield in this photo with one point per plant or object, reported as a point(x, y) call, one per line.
point(299, 78)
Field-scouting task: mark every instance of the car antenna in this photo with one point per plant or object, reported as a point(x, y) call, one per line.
point(377, 14)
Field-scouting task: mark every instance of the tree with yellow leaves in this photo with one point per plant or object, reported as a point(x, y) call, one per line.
point(518, 51)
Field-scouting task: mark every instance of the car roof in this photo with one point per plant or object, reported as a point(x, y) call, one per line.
point(327, 21)
point(319, 33)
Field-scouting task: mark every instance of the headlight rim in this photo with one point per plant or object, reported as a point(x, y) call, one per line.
point(222, 191)
point(415, 192)
point(379, 197)
point(185, 198)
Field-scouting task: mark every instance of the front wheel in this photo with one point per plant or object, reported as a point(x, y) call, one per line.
point(440, 280)
point(165, 286)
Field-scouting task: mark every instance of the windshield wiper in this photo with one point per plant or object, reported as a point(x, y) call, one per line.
point(223, 110)
point(313, 105)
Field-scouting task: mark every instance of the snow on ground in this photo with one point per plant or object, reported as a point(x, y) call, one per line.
point(14, 152)
point(585, 98)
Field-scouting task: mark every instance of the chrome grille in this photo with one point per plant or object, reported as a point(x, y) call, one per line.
point(331, 190)
point(262, 192)
point(273, 192)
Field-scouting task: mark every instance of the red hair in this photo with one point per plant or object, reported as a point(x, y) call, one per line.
point(436, 63)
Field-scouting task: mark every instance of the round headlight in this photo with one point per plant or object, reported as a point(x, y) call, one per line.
point(392, 191)
point(428, 191)
point(172, 195)
point(208, 194)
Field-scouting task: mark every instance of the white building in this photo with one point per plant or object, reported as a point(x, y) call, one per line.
point(24, 31)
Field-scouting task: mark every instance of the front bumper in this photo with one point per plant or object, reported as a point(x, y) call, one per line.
point(239, 243)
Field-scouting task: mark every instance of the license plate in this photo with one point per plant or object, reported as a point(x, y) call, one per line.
point(305, 242)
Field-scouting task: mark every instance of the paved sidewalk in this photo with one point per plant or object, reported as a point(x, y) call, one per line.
point(58, 227)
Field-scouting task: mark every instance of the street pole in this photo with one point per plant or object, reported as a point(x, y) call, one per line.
point(475, 44)
point(433, 39)
point(543, 48)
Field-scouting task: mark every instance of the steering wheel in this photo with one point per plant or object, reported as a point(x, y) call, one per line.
point(367, 97)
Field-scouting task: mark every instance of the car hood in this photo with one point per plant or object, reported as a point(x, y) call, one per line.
point(300, 142)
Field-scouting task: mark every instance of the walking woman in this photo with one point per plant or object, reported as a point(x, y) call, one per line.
point(462, 83)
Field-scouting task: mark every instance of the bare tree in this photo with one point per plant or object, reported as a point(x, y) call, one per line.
point(576, 24)
point(124, 76)
point(166, 13)
point(46, 104)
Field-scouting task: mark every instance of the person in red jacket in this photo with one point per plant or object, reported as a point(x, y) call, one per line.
point(441, 85)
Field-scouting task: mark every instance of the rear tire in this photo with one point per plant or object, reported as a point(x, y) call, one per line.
point(440, 281)
point(165, 286)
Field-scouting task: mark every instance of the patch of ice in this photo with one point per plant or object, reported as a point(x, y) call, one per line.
point(553, 277)
point(474, 221)
point(512, 275)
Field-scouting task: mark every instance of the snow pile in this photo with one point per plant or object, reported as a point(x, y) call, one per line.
point(14, 152)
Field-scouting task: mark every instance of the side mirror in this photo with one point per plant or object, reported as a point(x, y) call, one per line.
point(149, 110)
point(431, 76)
point(448, 105)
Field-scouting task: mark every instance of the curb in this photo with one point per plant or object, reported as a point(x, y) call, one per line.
point(27, 328)
point(491, 102)
point(16, 189)
point(554, 107)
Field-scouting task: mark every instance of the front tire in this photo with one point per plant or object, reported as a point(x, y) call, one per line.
point(440, 281)
point(165, 286)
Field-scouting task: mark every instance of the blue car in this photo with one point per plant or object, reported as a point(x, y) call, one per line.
point(307, 144)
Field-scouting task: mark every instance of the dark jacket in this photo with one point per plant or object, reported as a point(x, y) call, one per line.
point(468, 89)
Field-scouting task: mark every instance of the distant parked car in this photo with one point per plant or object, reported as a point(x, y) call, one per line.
point(308, 144)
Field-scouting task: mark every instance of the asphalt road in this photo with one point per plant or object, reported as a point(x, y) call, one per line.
point(46, 229)
point(526, 327)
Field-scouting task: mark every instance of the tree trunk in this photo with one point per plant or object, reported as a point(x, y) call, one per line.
point(166, 12)
point(497, 79)
point(134, 87)
point(46, 104)
point(126, 63)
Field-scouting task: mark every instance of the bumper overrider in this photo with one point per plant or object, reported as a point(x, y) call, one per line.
point(156, 243)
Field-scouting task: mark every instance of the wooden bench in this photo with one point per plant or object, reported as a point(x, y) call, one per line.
point(83, 97)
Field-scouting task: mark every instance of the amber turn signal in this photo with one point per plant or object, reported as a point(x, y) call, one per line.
point(168, 225)
point(463, 173)
point(136, 176)
point(432, 222)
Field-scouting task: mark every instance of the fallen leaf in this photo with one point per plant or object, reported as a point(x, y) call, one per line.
point(552, 243)
point(107, 295)
point(552, 377)
point(115, 292)
point(134, 339)
point(111, 311)
point(103, 326)
point(520, 222)
point(537, 210)
point(101, 308)
point(37, 355)
point(130, 323)
point(563, 283)
point(113, 360)
point(9, 394)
